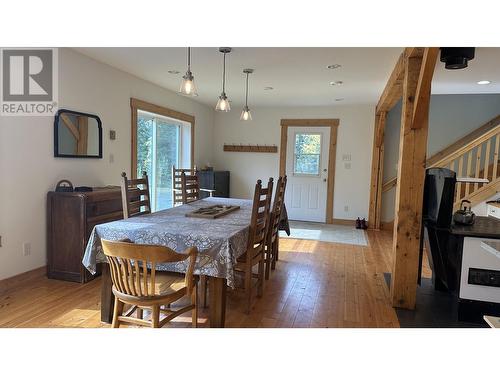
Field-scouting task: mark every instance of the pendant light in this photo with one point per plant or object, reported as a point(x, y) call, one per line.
point(245, 114)
point(187, 86)
point(223, 103)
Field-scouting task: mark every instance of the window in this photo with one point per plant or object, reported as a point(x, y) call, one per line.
point(163, 138)
point(307, 156)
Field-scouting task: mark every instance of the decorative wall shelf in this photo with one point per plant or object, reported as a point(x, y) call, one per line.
point(251, 148)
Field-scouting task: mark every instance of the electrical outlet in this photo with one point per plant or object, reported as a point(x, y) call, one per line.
point(26, 249)
point(111, 158)
point(347, 165)
point(346, 208)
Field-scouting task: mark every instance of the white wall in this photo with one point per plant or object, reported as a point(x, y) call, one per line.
point(355, 136)
point(28, 169)
point(450, 118)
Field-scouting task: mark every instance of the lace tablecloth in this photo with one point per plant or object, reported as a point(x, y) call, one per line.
point(219, 241)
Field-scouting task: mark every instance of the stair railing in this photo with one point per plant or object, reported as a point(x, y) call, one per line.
point(477, 159)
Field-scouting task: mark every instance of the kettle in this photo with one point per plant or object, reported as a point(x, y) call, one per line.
point(464, 216)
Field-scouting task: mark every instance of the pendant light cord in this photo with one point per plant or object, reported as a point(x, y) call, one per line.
point(246, 94)
point(224, 75)
point(189, 58)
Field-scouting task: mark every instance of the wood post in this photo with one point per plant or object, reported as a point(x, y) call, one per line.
point(377, 172)
point(410, 186)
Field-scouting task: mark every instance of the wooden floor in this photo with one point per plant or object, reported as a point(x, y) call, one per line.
point(316, 284)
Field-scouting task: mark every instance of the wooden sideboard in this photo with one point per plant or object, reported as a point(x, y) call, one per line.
point(70, 220)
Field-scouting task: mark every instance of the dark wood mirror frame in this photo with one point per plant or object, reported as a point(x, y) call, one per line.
point(60, 112)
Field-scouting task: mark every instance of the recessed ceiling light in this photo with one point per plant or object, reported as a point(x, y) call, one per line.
point(268, 88)
point(483, 82)
point(334, 66)
point(173, 71)
point(339, 99)
point(336, 83)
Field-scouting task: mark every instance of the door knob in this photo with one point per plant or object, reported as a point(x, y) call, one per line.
point(324, 170)
point(324, 180)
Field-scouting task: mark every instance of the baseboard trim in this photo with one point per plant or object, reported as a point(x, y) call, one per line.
point(344, 222)
point(36, 272)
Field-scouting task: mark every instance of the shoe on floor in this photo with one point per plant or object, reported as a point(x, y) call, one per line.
point(363, 224)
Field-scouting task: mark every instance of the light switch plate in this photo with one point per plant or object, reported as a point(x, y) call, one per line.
point(112, 135)
point(346, 157)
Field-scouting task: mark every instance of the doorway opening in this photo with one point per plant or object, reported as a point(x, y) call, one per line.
point(307, 157)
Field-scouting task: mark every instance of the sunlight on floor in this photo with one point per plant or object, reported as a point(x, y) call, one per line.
point(326, 233)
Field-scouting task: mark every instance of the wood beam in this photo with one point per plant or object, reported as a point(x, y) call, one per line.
point(71, 127)
point(423, 93)
point(83, 135)
point(409, 192)
point(393, 89)
point(414, 52)
point(381, 128)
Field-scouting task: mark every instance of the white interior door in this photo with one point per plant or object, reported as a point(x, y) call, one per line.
point(307, 170)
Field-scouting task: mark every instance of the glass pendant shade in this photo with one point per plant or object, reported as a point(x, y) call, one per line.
point(245, 114)
point(187, 85)
point(223, 104)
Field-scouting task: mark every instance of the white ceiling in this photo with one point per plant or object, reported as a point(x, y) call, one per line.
point(484, 66)
point(299, 75)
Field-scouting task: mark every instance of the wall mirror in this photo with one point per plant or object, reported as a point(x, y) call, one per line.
point(77, 135)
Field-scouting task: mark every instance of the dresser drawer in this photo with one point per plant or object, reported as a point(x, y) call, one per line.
point(103, 207)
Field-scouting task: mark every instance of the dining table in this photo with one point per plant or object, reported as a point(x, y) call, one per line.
point(219, 241)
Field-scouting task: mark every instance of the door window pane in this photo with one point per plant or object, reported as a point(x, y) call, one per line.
point(158, 149)
point(307, 156)
point(144, 145)
point(167, 154)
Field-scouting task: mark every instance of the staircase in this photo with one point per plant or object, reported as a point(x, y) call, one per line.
point(475, 155)
point(477, 159)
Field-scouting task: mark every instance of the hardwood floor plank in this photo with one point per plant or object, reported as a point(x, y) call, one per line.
point(316, 284)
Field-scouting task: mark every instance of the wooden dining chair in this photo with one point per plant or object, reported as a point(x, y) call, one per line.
point(190, 188)
point(177, 183)
point(136, 282)
point(257, 235)
point(272, 244)
point(135, 196)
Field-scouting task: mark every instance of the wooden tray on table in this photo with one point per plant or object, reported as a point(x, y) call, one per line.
point(212, 212)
